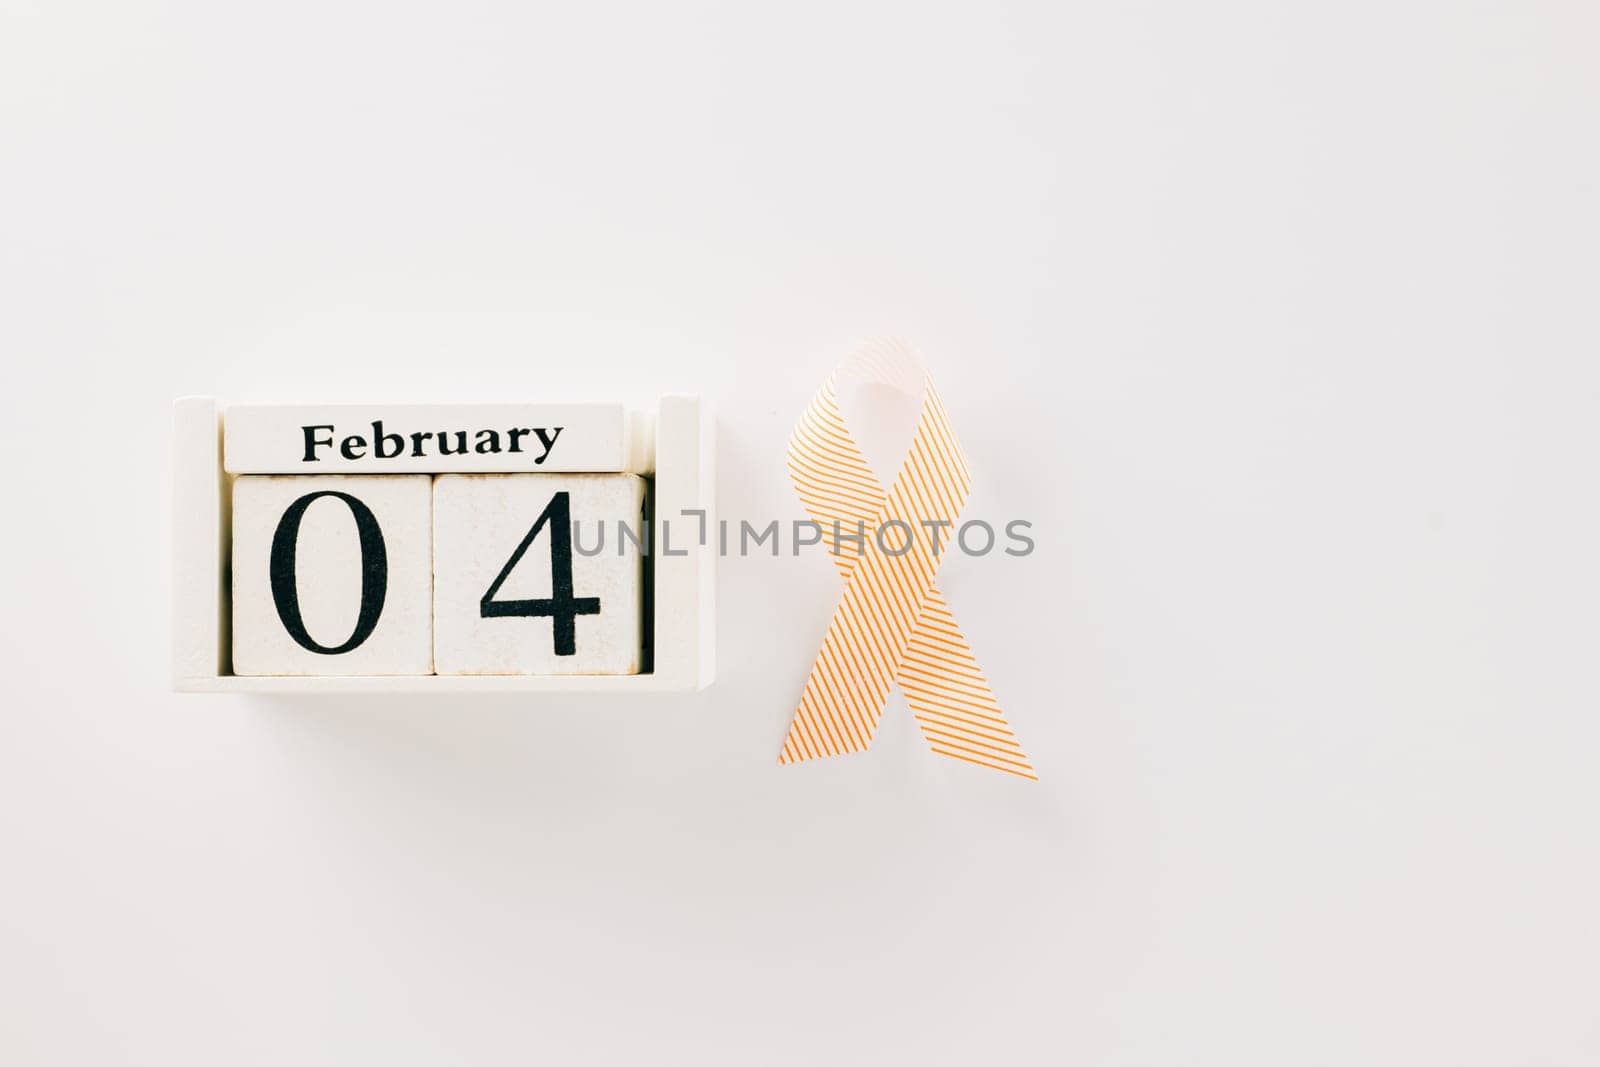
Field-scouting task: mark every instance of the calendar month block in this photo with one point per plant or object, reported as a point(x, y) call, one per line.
point(414, 438)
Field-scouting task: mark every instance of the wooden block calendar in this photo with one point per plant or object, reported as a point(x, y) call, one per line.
point(458, 548)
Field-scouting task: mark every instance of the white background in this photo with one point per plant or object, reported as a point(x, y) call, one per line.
point(1278, 320)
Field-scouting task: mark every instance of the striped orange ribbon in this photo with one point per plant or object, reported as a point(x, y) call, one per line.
point(892, 625)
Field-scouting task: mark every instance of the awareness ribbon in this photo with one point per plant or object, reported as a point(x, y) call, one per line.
point(892, 625)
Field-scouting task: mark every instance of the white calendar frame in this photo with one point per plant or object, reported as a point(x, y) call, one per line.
point(683, 591)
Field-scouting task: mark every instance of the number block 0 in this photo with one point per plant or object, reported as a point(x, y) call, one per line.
point(538, 573)
point(332, 575)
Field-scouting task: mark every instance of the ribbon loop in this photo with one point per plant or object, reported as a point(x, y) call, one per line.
point(892, 624)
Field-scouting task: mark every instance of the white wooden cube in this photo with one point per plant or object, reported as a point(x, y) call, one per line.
point(538, 573)
point(332, 575)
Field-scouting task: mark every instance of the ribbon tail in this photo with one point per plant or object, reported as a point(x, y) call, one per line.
point(847, 689)
point(950, 698)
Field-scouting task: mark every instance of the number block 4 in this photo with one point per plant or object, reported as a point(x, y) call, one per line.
point(332, 575)
point(538, 573)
